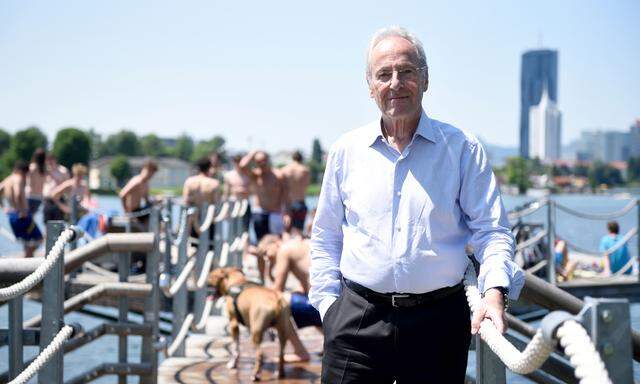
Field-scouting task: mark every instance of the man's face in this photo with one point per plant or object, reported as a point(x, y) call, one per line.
point(397, 82)
point(261, 160)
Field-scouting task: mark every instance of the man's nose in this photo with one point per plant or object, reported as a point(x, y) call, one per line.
point(395, 80)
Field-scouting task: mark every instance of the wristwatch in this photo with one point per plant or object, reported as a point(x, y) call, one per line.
point(505, 295)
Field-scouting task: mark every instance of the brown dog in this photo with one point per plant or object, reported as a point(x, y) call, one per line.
point(258, 308)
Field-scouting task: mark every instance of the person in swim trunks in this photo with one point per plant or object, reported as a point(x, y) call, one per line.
point(24, 228)
point(236, 187)
point(136, 191)
point(200, 190)
point(56, 175)
point(36, 179)
point(297, 177)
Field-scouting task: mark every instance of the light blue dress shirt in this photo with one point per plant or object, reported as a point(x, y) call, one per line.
point(399, 222)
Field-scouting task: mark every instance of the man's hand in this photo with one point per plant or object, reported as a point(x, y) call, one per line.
point(491, 307)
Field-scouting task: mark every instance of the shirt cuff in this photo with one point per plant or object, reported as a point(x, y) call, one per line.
point(496, 278)
point(324, 305)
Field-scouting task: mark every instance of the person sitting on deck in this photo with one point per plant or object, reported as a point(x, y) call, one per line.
point(24, 228)
point(616, 259)
point(76, 189)
point(564, 266)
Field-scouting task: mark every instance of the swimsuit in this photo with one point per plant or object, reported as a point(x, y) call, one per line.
point(34, 203)
point(298, 212)
point(265, 223)
point(52, 211)
point(24, 228)
point(303, 313)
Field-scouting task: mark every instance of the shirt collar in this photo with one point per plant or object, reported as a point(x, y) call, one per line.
point(425, 129)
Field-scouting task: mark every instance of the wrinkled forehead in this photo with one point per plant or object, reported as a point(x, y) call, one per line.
point(393, 50)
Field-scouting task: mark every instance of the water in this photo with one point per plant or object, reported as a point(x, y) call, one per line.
point(586, 233)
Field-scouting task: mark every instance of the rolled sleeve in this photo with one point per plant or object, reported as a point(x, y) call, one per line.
point(326, 239)
point(492, 240)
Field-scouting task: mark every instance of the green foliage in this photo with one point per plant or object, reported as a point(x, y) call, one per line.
point(71, 146)
point(25, 142)
point(122, 143)
point(152, 146)
point(316, 165)
point(600, 173)
point(120, 169)
point(5, 141)
point(633, 169)
point(5, 144)
point(207, 147)
point(184, 147)
point(517, 174)
point(97, 146)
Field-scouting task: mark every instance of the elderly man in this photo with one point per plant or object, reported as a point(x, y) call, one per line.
point(400, 199)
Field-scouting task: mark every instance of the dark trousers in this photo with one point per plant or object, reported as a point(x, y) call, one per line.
point(371, 342)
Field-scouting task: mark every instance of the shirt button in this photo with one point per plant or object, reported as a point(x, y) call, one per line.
point(399, 193)
point(398, 229)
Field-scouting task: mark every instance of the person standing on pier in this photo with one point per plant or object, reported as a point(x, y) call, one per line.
point(135, 194)
point(297, 177)
point(199, 190)
point(400, 199)
point(36, 179)
point(56, 175)
point(617, 259)
point(236, 187)
point(13, 188)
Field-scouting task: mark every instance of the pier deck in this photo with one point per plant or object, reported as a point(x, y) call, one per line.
point(207, 355)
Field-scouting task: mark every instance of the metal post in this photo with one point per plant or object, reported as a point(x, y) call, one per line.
point(16, 357)
point(124, 263)
point(149, 354)
point(489, 368)
point(607, 322)
point(73, 218)
point(200, 295)
point(638, 236)
point(180, 299)
point(231, 234)
point(52, 308)
point(551, 227)
point(167, 239)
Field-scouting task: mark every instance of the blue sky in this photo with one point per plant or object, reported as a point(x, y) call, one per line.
point(277, 74)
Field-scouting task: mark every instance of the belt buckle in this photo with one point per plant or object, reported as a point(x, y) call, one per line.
point(394, 297)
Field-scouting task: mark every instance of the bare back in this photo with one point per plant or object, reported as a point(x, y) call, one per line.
point(293, 256)
point(200, 189)
point(269, 189)
point(35, 182)
point(133, 192)
point(13, 188)
point(237, 185)
point(298, 178)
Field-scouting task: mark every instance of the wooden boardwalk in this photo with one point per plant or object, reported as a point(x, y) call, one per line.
point(207, 355)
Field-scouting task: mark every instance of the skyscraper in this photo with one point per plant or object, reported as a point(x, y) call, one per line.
point(545, 129)
point(539, 70)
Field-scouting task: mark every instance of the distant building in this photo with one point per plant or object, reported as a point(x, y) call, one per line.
point(634, 142)
point(605, 146)
point(172, 172)
point(539, 70)
point(545, 125)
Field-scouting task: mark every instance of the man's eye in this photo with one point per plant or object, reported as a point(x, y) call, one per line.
point(384, 75)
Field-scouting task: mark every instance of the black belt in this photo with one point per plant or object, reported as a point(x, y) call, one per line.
point(402, 299)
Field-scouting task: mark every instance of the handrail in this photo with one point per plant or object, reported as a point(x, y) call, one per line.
point(224, 212)
point(208, 306)
point(600, 216)
point(224, 254)
point(109, 243)
point(182, 334)
point(532, 241)
point(529, 209)
point(206, 268)
point(208, 220)
point(182, 278)
point(43, 269)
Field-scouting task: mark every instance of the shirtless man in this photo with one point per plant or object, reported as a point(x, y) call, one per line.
point(56, 175)
point(293, 256)
point(137, 189)
point(75, 188)
point(270, 203)
point(298, 178)
point(236, 187)
point(36, 179)
point(199, 190)
point(24, 228)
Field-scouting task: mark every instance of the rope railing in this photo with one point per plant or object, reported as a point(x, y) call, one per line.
point(528, 210)
point(244, 207)
point(44, 356)
point(532, 241)
point(43, 269)
point(206, 268)
point(4, 232)
point(224, 212)
point(599, 216)
point(182, 334)
point(208, 220)
point(632, 232)
point(181, 279)
point(236, 209)
point(224, 254)
point(588, 365)
point(202, 323)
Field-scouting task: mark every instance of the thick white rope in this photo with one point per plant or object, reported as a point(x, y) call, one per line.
point(206, 268)
point(208, 219)
point(236, 209)
point(44, 356)
point(600, 216)
point(181, 335)
point(538, 350)
point(208, 306)
point(224, 255)
point(577, 345)
point(7, 234)
point(182, 278)
point(243, 208)
point(533, 207)
point(224, 212)
point(36, 276)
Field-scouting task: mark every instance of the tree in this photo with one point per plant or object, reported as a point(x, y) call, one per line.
point(71, 146)
point(184, 147)
point(633, 169)
point(123, 143)
point(600, 173)
point(207, 147)
point(5, 144)
point(316, 165)
point(517, 174)
point(120, 169)
point(152, 146)
point(5, 141)
point(25, 142)
point(98, 148)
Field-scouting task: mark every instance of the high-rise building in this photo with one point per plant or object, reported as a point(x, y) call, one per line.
point(545, 126)
point(605, 146)
point(634, 143)
point(539, 70)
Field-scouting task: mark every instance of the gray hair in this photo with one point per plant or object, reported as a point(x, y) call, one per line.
point(402, 32)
